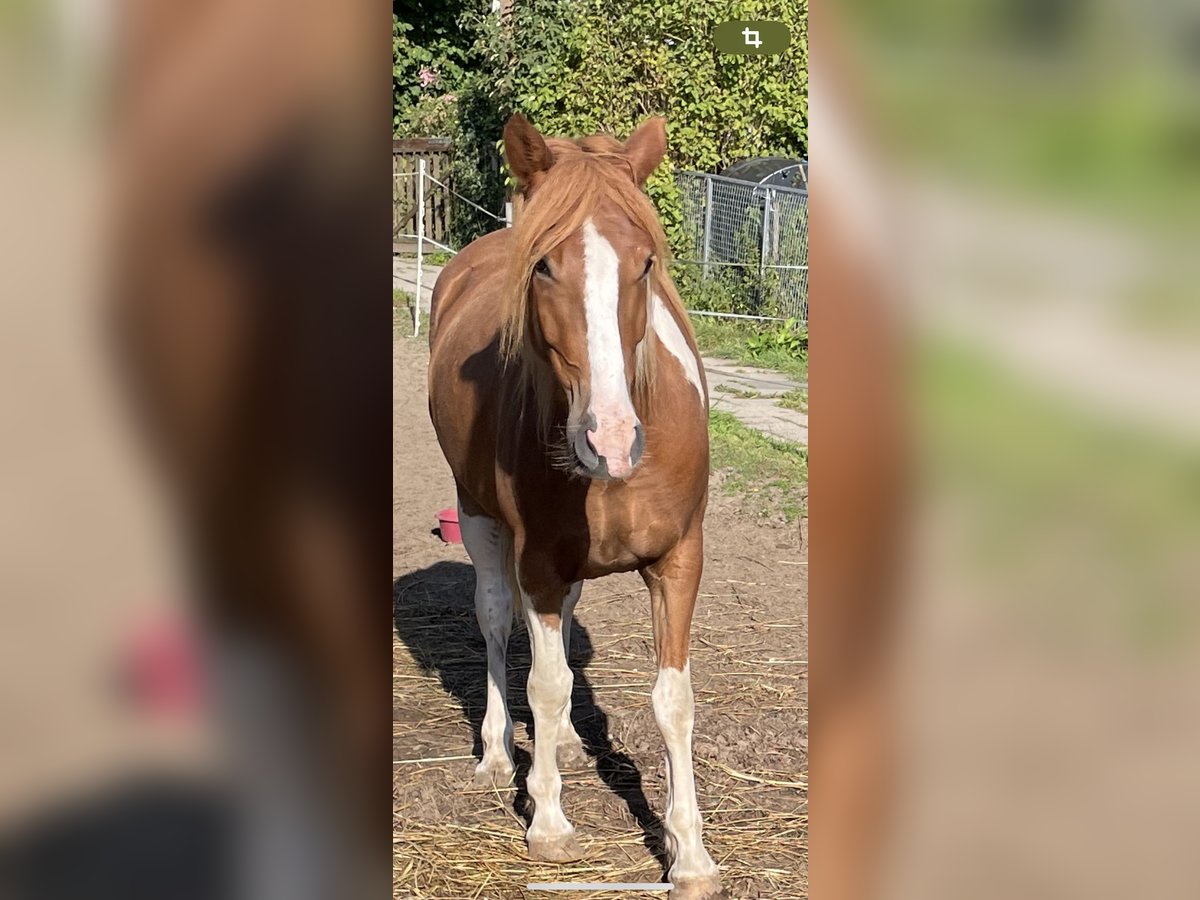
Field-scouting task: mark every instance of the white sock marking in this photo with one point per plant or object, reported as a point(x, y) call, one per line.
point(672, 338)
point(549, 689)
point(674, 709)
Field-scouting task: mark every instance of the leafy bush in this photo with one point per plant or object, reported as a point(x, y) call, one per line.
point(583, 66)
point(788, 337)
point(731, 289)
point(430, 62)
point(742, 341)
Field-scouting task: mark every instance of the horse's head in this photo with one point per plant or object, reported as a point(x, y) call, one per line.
point(588, 244)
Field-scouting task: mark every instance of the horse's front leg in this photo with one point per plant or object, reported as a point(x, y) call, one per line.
point(571, 754)
point(550, 836)
point(673, 582)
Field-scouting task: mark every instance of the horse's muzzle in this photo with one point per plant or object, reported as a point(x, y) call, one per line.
point(607, 453)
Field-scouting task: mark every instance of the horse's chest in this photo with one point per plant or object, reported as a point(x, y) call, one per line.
point(625, 536)
point(582, 530)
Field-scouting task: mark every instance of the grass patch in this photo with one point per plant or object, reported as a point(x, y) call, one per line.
point(796, 399)
point(433, 258)
point(742, 342)
point(737, 392)
point(772, 475)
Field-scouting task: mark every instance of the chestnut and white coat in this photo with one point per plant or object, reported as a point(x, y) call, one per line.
point(568, 397)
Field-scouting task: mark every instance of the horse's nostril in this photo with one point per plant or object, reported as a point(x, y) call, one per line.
point(639, 444)
point(585, 450)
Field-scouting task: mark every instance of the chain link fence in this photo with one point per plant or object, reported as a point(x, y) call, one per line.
point(744, 247)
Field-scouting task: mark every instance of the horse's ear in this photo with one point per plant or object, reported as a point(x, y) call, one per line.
point(526, 151)
point(646, 147)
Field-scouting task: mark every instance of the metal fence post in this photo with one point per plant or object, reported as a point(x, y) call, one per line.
point(508, 214)
point(420, 243)
point(707, 225)
point(766, 231)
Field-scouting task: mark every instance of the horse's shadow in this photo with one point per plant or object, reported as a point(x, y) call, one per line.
point(434, 613)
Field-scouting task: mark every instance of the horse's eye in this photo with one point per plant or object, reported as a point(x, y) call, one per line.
point(649, 266)
point(542, 268)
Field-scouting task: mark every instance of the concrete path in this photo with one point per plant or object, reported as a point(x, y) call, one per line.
point(744, 391)
point(404, 278)
point(750, 393)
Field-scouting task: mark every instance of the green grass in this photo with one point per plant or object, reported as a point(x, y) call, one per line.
point(434, 258)
point(771, 475)
point(737, 392)
point(796, 399)
point(733, 340)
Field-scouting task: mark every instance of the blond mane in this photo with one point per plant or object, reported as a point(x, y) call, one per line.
point(584, 173)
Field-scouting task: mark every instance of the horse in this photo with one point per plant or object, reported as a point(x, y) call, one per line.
point(568, 398)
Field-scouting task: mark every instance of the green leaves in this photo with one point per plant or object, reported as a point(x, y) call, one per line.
point(598, 65)
point(789, 338)
point(430, 64)
point(576, 67)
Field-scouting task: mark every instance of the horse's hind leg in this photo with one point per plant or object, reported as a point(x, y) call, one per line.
point(488, 543)
point(570, 748)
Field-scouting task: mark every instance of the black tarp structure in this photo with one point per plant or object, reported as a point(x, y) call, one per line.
point(773, 171)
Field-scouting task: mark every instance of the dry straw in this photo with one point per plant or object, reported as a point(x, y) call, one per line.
point(453, 840)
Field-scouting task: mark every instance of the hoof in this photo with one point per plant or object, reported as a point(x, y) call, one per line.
point(556, 849)
point(571, 756)
point(494, 775)
point(697, 889)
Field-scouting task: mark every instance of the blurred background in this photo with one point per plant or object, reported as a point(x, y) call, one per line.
point(1028, 176)
point(193, 682)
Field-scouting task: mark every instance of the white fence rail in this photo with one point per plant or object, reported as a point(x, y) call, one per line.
point(426, 184)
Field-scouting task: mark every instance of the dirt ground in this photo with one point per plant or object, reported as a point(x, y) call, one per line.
point(749, 667)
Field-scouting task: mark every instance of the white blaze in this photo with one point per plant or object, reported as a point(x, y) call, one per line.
point(601, 289)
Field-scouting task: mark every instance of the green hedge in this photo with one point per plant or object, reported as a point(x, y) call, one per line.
point(577, 67)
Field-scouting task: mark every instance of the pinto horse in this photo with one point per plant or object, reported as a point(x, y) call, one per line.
point(569, 400)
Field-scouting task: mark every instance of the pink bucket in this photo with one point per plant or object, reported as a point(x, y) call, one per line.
point(448, 526)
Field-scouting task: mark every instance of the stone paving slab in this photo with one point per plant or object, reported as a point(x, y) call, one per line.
point(765, 415)
point(747, 379)
point(748, 393)
point(404, 278)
